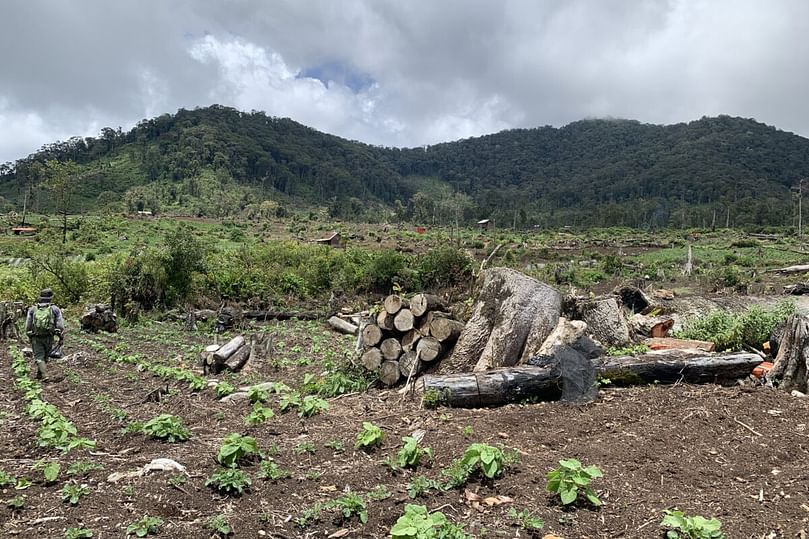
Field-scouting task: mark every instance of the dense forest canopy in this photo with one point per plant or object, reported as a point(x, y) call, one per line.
point(218, 161)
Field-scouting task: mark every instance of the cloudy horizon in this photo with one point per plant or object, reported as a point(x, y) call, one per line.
point(398, 73)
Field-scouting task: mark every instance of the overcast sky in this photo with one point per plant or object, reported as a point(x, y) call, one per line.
point(398, 72)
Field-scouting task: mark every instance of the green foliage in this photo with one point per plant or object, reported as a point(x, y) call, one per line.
point(351, 504)
point(229, 481)
point(526, 520)
point(270, 470)
point(304, 447)
point(78, 533)
point(6, 479)
point(732, 331)
point(144, 526)
point(50, 469)
point(236, 447)
point(83, 467)
point(418, 523)
point(224, 388)
point(16, 503)
point(166, 427)
point(219, 525)
point(431, 398)
point(411, 454)
point(309, 515)
point(444, 267)
point(369, 436)
point(379, 493)
point(312, 405)
point(289, 400)
point(632, 350)
point(257, 394)
point(259, 414)
point(489, 460)
point(694, 527)
point(570, 478)
point(421, 485)
point(72, 492)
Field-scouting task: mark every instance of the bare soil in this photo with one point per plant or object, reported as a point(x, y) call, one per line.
point(739, 454)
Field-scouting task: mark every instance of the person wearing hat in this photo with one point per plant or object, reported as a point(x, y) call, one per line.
point(43, 323)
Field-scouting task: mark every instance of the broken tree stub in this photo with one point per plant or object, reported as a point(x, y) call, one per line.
point(512, 309)
point(605, 321)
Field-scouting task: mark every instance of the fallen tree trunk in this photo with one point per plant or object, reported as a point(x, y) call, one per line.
point(802, 268)
point(237, 360)
point(500, 386)
point(284, 315)
point(342, 326)
point(227, 350)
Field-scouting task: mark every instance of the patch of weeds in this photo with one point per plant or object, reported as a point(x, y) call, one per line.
point(133, 427)
point(289, 400)
point(6, 479)
point(570, 478)
point(78, 533)
point(50, 469)
point(128, 491)
point(304, 447)
point(349, 505)
point(431, 399)
point(309, 515)
point(257, 394)
point(418, 523)
point(312, 405)
point(271, 471)
point(313, 475)
point(379, 493)
point(177, 481)
point(16, 503)
point(733, 331)
point(369, 436)
point(468, 431)
point(335, 445)
point(421, 485)
point(681, 526)
point(229, 481)
point(144, 526)
point(633, 350)
point(526, 520)
point(219, 525)
point(83, 467)
point(259, 414)
point(236, 447)
point(224, 388)
point(166, 427)
point(72, 492)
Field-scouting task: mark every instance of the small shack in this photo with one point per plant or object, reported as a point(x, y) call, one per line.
point(23, 231)
point(333, 239)
point(485, 224)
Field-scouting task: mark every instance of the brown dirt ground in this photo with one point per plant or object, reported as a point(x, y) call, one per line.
point(739, 454)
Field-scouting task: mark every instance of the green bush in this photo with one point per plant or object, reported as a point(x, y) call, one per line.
point(733, 331)
point(444, 267)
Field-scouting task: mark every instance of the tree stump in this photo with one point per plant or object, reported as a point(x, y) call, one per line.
point(605, 321)
point(790, 369)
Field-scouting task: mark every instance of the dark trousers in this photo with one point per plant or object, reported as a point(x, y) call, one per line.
point(41, 347)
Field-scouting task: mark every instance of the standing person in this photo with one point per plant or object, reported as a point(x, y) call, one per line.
point(44, 321)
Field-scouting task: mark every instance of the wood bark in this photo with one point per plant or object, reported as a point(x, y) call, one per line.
point(446, 329)
point(500, 386)
point(421, 303)
point(385, 320)
point(790, 369)
point(394, 303)
point(605, 321)
point(429, 349)
point(510, 306)
point(371, 359)
point(566, 332)
point(389, 373)
point(404, 320)
point(391, 349)
point(284, 315)
point(410, 339)
point(238, 359)
point(371, 335)
point(668, 343)
point(227, 350)
point(342, 326)
point(802, 268)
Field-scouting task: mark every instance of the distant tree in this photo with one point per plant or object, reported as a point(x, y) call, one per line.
point(62, 180)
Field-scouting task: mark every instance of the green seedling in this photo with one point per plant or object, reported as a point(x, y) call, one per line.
point(571, 478)
point(78, 533)
point(351, 504)
point(270, 470)
point(50, 469)
point(681, 526)
point(369, 436)
point(418, 523)
point(312, 405)
point(72, 492)
point(259, 414)
point(16, 503)
point(144, 526)
point(229, 481)
point(410, 454)
point(219, 525)
point(166, 427)
point(236, 447)
point(526, 520)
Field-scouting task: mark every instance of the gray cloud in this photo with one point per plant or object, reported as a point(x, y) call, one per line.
point(398, 73)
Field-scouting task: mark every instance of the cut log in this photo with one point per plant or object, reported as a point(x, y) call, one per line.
point(421, 303)
point(446, 330)
point(790, 369)
point(566, 332)
point(669, 343)
point(284, 315)
point(371, 335)
point(228, 349)
point(389, 373)
point(604, 321)
point(394, 303)
point(429, 349)
point(651, 326)
point(633, 298)
point(371, 359)
point(802, 268)
point(238, 359)
point(500, 386)
point(510, 306)
point(423, 325)
point(385, 320)
point(404, 320)
point(797, 289)
point(410, 339)
point(342, 326)
point(407, 361)
point(391, 349)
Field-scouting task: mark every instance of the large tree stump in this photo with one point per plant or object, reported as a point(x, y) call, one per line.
point(510, 306)
point(605, 321)
point(790, 369)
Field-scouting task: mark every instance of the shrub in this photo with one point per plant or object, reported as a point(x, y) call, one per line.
point(444, 267)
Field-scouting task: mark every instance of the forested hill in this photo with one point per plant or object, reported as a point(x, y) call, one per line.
point(218, 161)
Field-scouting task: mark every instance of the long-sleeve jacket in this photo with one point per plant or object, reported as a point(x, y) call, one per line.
point(58, 320)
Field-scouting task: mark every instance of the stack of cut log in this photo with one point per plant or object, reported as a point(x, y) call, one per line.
point(234, 354)
point(406, 335)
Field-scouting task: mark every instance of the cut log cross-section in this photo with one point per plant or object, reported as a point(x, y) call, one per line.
point(410, 339)
point(429, 349)
point(371, 359)
point(394, 303)
point(371, 335)
point(403, 321)
point(391, 349)
point(409, 363)
point(385, 320)
point(446, 330)
point(389, 373)
point(422, 303)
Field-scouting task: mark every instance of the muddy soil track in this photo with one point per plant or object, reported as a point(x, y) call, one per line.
point(739, 454)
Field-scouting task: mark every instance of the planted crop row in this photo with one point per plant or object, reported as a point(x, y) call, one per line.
point(55, 430)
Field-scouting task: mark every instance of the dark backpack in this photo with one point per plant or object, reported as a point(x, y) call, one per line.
point(44, 321)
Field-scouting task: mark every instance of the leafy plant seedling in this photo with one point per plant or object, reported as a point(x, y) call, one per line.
point(570, 478)
point(369, 436)
point(681, 526)
point(144, 526)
